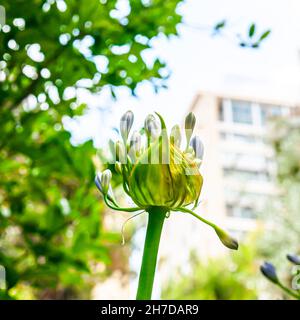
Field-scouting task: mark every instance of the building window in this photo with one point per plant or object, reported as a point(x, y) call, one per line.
point(240, 212)
point(246, 175)
point(246, 198)
point(241, 112)
point(269, 111)
point(246, 161)
point(239, 138)
point(244, 138)
point(221, 111)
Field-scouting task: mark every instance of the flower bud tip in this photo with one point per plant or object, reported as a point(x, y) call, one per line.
point(226, 239)
point(135, 142)
point(269, 271)
point(198, 147)
point(152, 126)
point(126, 124)
point(118, 167)
point(120, 152)
point(98, 182)
point(175, 136)
point(293, 258)
point(105, 180)
point(190, 121)
point(189, 126)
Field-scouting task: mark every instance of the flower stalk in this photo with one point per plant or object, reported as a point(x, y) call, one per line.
point(156, 217)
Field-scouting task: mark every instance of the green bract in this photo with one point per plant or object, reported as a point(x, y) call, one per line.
point(156, 173)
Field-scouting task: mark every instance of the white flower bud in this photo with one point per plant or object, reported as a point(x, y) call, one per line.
point(189, 126)
point(98, 181)
point(126, 124)
point(175, 136)
point(105, 181)
point(118, 167)
point(120, 152)
point(135, 142)
point(198, 147)
point(152, 126)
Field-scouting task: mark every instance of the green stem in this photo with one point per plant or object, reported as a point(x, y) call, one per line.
point(156, 217)
point(288, 291)
point(117, 208)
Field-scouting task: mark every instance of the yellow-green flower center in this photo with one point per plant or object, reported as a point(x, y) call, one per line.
point(173, 184)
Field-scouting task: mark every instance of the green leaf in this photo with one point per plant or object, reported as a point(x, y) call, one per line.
point(265, 35)
point(220, 25)
point(252, 30)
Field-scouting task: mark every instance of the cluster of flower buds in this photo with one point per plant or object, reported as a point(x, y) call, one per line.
point(156, 171)
point(269, 271)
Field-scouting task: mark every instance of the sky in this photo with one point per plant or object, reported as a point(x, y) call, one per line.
point(200, 62)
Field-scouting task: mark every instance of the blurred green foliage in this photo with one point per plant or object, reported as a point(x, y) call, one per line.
point(51, 231)
point(283, 223)
point(285, 210)
point(253, 39)
point(231, 277)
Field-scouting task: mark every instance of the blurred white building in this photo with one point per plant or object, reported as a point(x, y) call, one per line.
point(239, 166)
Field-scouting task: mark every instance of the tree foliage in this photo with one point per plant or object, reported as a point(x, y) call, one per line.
point(212, 280)
point(285, 212)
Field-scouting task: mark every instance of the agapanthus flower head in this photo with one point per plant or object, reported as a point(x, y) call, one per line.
point(156, 172)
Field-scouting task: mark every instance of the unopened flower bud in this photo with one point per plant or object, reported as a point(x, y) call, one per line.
point(269, 271)
point(135, 142)
point(105, 181)
point(189, 126)
point(126, 124)
point(293, 258)
point(118, 167)
point(198, 147)
point(112, 148)
point(120, 152)
point(175, 136)
point(226, 239)
point(98, 181)
point(152, 126)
